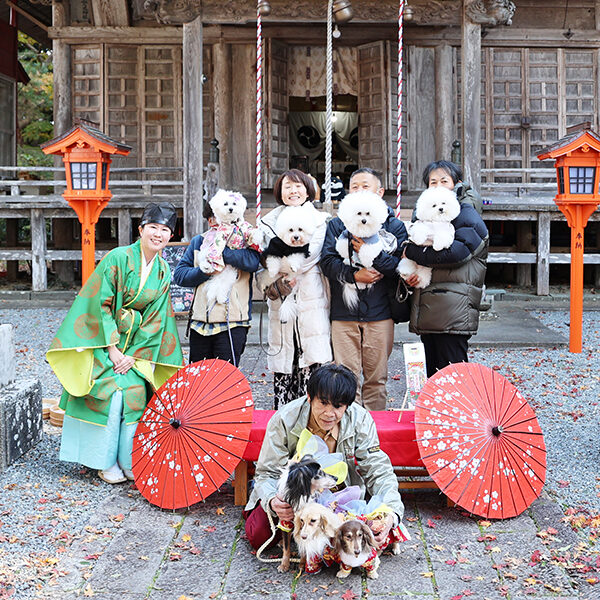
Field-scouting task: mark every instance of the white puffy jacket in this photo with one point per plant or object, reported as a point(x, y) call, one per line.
point(311, 326)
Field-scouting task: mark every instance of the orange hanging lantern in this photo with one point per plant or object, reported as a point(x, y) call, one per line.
point(86, 153)
point(577, 164)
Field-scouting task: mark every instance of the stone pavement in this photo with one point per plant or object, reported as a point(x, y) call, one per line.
point(131, 550)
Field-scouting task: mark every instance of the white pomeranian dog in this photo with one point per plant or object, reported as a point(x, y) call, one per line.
point(287, 253)
point(436, 208)
point(230, 231)
point(363, 215)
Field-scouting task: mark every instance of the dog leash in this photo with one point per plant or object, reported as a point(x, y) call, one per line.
point(266, 544)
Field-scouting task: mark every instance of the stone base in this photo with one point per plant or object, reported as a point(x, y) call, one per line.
point(20, 419)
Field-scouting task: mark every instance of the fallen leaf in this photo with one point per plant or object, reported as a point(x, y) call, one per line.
point(120, 557)
point(186, 537)
point(427, 574)
point(430, 523)
point(185, 598)
point(220, 511)
point(87, 591)
point(349, 595)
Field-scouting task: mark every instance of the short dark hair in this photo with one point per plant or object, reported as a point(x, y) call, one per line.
point(332, 383)
point(369, 171)
point(448, 167)
point(207, 211)
point(299, 177)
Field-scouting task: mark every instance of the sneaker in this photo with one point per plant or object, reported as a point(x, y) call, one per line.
point(112, 475)
point(129, 474)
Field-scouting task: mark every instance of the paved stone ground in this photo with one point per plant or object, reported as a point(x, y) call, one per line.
point(131, 550)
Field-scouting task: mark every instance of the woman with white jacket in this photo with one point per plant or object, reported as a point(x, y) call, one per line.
point(301, 344)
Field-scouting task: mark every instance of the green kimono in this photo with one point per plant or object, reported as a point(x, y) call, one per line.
point(116, 307)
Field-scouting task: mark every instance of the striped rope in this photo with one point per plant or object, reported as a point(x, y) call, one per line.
point(399, 130)
point(329, 106)
point(258, 114)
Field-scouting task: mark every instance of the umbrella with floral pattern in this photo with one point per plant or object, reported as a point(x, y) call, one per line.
point(192, 434)
point(480, 441)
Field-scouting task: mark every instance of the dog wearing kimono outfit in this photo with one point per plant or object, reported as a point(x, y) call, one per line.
point(118, 342)
point(229, 231)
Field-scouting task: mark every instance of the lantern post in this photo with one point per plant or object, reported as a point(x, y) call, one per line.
point(577, 162)
point(86, 153)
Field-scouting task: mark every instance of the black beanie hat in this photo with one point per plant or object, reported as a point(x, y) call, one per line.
point(163, 213)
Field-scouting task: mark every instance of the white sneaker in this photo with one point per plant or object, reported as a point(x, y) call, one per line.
point(112, 475)
point(129, 474)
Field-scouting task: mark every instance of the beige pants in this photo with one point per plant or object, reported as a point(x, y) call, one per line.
point(365, 349)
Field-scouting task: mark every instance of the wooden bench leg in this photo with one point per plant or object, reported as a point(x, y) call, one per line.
point(240, 484)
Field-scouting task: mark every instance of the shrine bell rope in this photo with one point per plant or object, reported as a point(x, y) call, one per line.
point(399, 129)
point(329, 105)
point(258, 113)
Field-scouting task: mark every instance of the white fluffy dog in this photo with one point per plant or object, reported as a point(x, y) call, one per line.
point(287, 253)
point(436, 208)
point(363, 214)
point(231, 231)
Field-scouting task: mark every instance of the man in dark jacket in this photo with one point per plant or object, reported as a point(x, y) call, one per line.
point(363, 338)
point(446, 313)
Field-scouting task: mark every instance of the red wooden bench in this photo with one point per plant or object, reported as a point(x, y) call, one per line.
point(397, 440)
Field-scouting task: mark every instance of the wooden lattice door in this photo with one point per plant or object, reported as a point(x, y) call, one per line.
point(534, 94)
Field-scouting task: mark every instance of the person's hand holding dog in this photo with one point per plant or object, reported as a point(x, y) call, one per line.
point(282, 509)
point(380, 536)
point(367, 276)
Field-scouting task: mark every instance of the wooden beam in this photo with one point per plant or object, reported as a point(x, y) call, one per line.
point(29, 17)
point(105, 34)
point(193, 189)
point(444, 102)
point(110, 12)
point(471, 100)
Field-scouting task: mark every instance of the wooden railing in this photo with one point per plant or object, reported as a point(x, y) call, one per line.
point(519, 182)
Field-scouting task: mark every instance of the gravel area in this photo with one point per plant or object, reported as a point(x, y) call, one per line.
point(45, 503)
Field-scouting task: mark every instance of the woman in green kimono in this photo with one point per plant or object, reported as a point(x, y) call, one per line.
point(118, 342)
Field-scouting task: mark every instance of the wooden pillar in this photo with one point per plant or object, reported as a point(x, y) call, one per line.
point(222, 94)
point(124, 227)
point(243, 122)
point(597, 267)
point(524, 245)
point(193, 191)
point(39, 276)
point(543, 254)
point(61, 65)
point(62, 229)
point(12, 239)
point(444, 109)
point(62, 235)
point(471, 99)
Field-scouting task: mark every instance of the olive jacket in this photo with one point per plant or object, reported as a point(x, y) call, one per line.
point(368, 466)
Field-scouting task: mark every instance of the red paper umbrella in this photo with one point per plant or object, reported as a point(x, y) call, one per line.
point(192, 434)
point(480, 441)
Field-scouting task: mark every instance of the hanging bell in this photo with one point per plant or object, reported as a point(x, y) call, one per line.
point(409, 13)
point(263, 8)
point(342, 11)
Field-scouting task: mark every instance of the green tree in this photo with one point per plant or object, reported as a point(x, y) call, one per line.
point(34, 101)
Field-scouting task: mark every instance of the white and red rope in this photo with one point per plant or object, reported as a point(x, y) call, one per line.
point(329, 106)
point(399, 129)
point(258, 114)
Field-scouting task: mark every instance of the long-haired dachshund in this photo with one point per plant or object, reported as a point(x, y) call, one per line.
point(300, 482)
point(315, 527)
point(355, 546)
